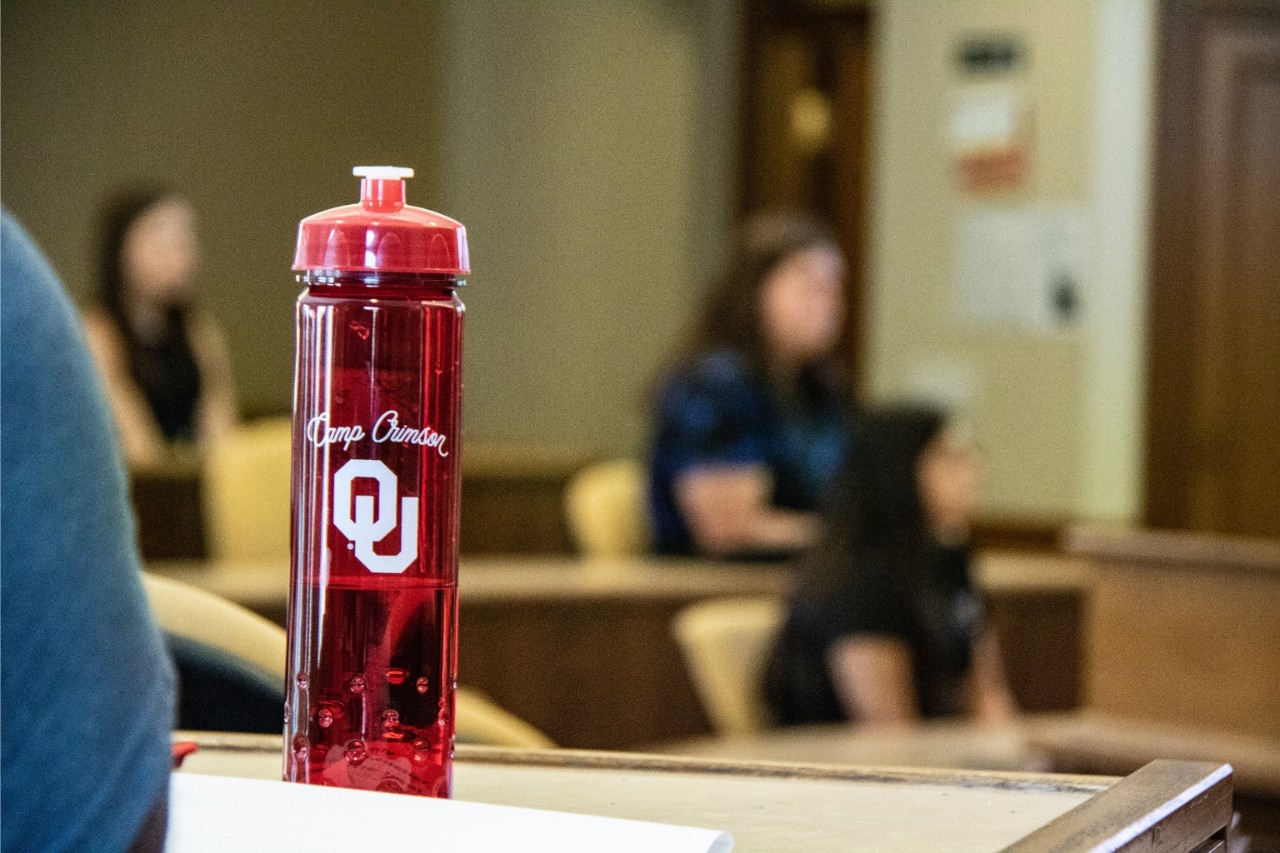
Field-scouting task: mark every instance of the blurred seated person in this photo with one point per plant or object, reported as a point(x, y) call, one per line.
point(164, 362)
point(751, 420)
point(885, 627)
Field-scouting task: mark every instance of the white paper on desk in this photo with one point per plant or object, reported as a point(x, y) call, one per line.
point(215, 813)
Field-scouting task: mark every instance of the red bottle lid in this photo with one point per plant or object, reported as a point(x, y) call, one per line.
point(382, 233)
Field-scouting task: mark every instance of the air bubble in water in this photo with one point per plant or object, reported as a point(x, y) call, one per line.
point(397, 675)
point(356, 752)
point(356, 684)
point(324, 717)
point(300, 747)
point(423, 684)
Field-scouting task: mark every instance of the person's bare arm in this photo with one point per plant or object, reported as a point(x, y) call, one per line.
point(140, 436)
point(874, 680)
point(728, 512)
point(990, 699)
point(217, 412)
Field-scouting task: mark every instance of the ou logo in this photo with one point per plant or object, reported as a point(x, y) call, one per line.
point(365, 528)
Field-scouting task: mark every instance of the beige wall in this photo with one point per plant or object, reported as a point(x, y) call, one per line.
point(257, 111)
point(588, 149)
point(586, 145)
point(1059, 433)
point(1116, 324)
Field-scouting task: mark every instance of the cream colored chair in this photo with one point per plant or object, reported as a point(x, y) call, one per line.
point(606, 511)
point(246, 492)
point(183, 610)
point(247, 654)
point(726, 643)
point(230, 661)
point(482, 722)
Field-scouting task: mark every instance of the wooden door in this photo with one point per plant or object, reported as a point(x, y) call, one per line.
point(1213, 432)
point(806, 111)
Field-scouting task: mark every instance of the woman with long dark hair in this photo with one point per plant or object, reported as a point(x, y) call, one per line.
point(751, 418)
point(164, 362)
point(885, 626)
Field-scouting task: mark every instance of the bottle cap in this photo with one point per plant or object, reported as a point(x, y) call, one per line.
point(382, 233)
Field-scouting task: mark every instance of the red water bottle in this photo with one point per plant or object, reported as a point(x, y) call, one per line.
point(369, 700)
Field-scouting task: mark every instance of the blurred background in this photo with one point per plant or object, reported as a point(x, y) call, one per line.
point(992, 168)
point(1062, 220)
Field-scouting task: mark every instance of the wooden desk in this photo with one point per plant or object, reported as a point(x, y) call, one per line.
point(513, 497)
point(1183, 629)
point(168, 503)
point(945, 744)
point(263, 587)
point(1183, 651)
point(1170, 806)
point(1064, 743)
point(512, 500)
point(583, 651)
point(1036, 604)
point(1096, 743)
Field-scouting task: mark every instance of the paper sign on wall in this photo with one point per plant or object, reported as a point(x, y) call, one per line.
point(990, 138)
point(1019, 268)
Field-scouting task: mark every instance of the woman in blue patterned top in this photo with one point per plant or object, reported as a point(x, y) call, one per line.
point(751, 420)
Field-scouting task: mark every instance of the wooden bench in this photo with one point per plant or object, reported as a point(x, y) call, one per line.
point(1182, 658)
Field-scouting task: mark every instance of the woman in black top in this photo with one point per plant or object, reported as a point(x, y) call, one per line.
point(885, 626)
point(164, 362)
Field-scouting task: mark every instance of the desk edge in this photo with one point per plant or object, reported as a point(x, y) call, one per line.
point(1164, 807)
point(641, 763)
